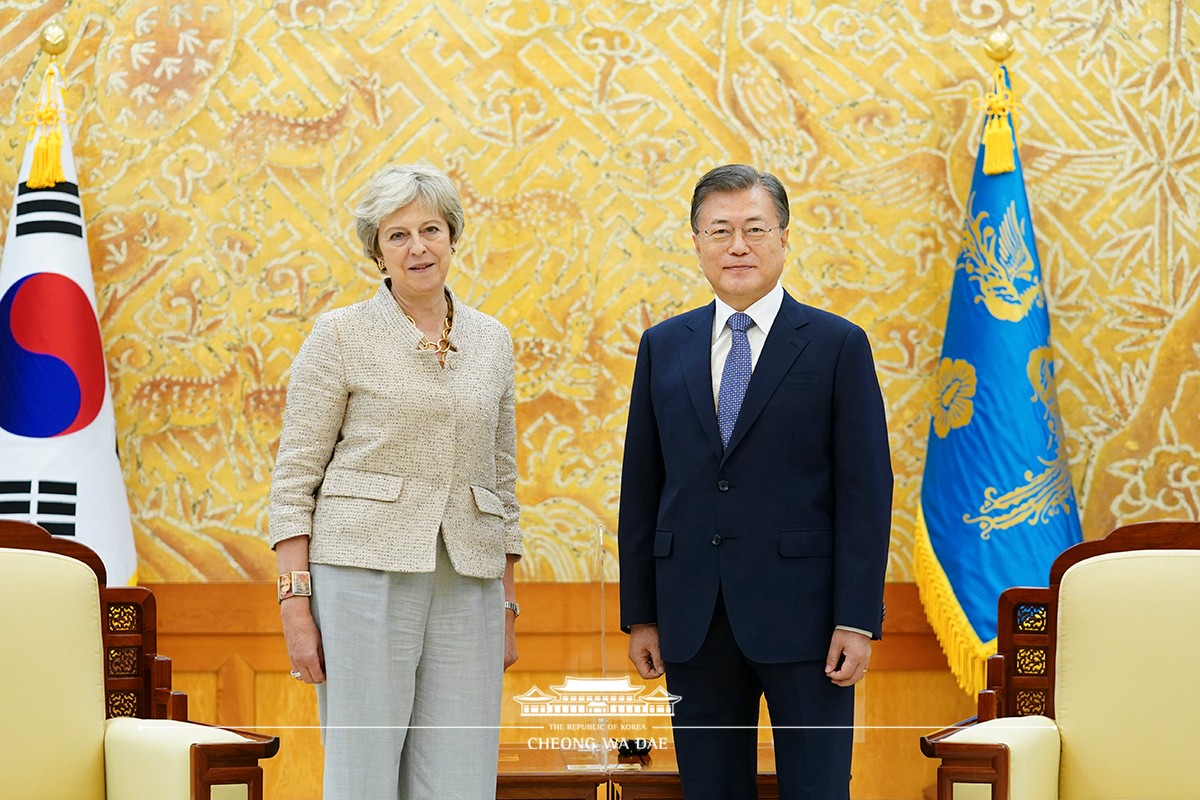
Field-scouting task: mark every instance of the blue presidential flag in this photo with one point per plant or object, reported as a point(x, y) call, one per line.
point(58, 458)
point(997, 504)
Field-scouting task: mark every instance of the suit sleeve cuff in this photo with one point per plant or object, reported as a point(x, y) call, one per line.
point(867, 634)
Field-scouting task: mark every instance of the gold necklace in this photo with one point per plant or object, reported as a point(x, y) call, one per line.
point(442, 346)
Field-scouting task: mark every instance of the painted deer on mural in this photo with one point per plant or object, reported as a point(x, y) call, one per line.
point(261, 137)
point(172, 406)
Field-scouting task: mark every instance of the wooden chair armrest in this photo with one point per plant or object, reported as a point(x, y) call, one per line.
point(164, 702)
point(1016, 756)
point(231, 763)
point(930, 741)
point(966, 763)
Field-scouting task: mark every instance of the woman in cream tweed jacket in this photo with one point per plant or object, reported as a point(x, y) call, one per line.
point(395, 487)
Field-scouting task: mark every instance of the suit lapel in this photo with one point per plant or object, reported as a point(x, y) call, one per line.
point(783, 346)
point(695, 353)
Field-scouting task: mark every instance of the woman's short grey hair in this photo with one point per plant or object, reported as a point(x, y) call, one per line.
point(738, 178)
point(394, 187)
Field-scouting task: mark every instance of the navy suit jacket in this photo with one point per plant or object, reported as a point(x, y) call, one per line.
point(791, 522)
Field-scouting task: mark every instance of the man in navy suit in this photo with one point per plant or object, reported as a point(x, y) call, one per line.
point(755, 509)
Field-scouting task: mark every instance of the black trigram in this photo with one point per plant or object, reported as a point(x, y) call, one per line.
point(53, 210)
point(50, 504)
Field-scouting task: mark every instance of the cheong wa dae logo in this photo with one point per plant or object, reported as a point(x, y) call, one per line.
point(597, 697)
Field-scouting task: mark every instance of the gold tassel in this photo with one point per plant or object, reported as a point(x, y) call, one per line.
point(997, 146)
point(46, 170)
point(998, 138)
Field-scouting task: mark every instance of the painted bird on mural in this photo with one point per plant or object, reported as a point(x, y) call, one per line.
point(758, 95)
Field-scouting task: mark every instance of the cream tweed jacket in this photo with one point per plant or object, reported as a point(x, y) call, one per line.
point(381, 446)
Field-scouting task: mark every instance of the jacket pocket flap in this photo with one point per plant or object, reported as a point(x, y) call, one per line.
point(810, 543)
point(662, 543)
point(487, 501)
point(360, 483)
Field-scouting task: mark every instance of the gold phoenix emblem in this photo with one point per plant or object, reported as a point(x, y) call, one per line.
point(999, 263)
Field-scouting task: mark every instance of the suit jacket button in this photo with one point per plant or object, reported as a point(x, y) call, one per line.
point(723, 486)
point(716, 540)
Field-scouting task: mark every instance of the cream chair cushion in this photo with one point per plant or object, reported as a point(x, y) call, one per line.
point(150, 759)
point(1126, 700)
point(1033, 752)
point(51, 679)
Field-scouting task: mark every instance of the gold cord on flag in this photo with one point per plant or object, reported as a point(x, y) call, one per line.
point(1001, 106)
point(46, 170)
point(46, 120)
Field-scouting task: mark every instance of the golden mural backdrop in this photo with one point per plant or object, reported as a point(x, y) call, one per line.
point(221, 145)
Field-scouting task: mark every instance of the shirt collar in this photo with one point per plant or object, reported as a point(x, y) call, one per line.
point(763, 311)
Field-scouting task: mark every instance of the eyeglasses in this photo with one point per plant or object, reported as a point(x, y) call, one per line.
point(751, 234)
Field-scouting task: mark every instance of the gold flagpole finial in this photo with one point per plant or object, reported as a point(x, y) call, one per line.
point(999, 45)
point(54, 39)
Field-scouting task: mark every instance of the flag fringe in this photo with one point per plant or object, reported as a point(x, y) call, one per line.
point(46, 169)
point(965, 653)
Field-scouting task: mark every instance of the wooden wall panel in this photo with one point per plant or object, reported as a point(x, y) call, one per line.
point(289, 708)
point(229, 655)
point(901, 705)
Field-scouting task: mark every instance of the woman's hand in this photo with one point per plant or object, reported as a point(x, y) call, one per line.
point(303, 640)
point(510, 615)
point(510, 639)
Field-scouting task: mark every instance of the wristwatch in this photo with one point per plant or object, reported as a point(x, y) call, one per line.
point(513, 606)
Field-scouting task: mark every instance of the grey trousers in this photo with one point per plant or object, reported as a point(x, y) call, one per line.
point(410, 709)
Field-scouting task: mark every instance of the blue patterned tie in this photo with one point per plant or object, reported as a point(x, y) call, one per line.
point(735, 376)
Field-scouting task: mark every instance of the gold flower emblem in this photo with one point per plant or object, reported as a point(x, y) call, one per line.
point(956, 388)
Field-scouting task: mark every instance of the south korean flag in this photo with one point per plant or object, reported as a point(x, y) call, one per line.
point(58, 457)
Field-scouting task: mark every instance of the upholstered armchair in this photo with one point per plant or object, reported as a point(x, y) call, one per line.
point(85, 700)
point(1093, 691)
